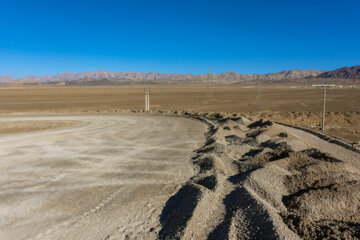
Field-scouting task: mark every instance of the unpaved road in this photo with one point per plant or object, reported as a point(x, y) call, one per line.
point(108, 176)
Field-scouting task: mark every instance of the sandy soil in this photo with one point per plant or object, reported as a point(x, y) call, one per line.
point(292, 105)
point(190, 98)
point(108, 177)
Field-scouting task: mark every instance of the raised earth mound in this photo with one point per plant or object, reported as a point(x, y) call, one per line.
point(261, 180)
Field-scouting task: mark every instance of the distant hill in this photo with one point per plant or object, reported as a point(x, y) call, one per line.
point(344, 73)
point(88, 82)
point(227, 77)
point(5, 79)
point(103, 77)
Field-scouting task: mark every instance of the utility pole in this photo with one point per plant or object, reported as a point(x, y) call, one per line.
point(162, 87)
point(147, 99)
point(257, 86)
point(323, 113)
point(209, 92)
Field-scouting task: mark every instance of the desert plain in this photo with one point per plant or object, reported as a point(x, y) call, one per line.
point(205, 163)
point(294, 105)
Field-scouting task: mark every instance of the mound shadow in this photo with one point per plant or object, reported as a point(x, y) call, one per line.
point(177, 211)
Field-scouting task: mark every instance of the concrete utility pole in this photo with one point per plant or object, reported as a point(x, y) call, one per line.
point(147, 99)
point(323, 113)
point(257, 86)
point(162, 87)
point(209, 91)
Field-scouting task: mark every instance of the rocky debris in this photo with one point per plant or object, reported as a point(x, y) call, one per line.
point(258, 181)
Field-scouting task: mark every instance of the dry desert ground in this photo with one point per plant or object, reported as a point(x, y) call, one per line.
point(299, 106)
point(87, 163)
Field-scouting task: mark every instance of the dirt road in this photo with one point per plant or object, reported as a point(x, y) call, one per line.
point(107, 176)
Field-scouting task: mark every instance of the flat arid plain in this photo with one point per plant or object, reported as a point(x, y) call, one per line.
point(225, 162)
point(300, 106)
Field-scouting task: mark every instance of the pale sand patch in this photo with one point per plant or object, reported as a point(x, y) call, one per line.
point(111, 175)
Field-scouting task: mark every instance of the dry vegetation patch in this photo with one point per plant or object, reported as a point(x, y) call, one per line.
point(7, 127)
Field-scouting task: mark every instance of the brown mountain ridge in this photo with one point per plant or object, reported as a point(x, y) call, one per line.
point(345, 72)
point(103, 77)
point(230, 76)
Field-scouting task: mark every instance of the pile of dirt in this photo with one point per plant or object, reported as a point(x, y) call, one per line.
point(257, 180)
point(345, 125)
point(342, 125)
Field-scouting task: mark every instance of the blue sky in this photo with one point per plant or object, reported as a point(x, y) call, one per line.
point(177, 36)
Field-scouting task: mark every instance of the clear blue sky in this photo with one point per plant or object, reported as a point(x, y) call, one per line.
point(177, 36)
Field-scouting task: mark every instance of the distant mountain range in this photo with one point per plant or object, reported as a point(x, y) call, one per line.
point(345, 73)
point(6, 79)
point(291, 74)
point(125, 78)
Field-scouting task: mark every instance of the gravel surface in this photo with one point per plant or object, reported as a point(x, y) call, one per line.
point(108, 176)
point(260, 180)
